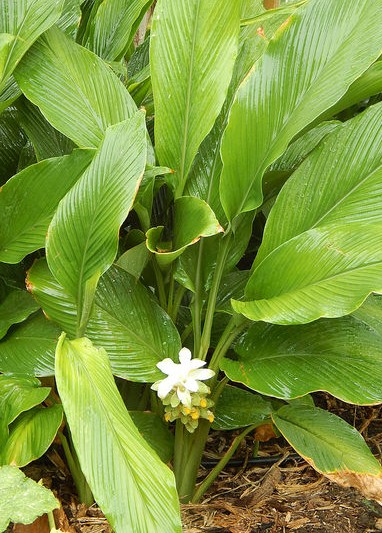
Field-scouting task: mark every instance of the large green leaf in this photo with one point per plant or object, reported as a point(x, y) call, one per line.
point(134, 489)
point(29, 199)
point(331, 446)
point(47, 141)
point(55, 76)
point(22, 499)
point(31, 435)
point(9, 93)
point(82, 239)
point(291, 85)
point(193, 47)
point(126, 320)
point(193, 219)
point(16, 307)
point(158, 435)
point(70, 17)
point(21, 23)
point(17, 394)
point(29, 348)
point(237, 408)
point(341, 356)
point(12, 140)
point(325, 258)
point(111, 29)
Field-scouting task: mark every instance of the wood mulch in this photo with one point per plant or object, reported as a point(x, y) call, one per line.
point(255, 497)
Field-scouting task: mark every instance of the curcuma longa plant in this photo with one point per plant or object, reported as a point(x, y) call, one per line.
point(198, 208)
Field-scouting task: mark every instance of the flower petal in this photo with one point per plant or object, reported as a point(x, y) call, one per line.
point(165, 387)
point(191, 385)
point(204, 373)
point(185, 356)
point(167, 366)
point(196, 363)
point(184, 396)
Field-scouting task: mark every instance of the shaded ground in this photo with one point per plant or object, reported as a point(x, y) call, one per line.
point(284, 496)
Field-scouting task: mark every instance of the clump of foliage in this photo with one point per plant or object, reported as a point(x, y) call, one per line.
point(197, 212)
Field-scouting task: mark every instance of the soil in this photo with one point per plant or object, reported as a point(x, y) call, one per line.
point(274, 492)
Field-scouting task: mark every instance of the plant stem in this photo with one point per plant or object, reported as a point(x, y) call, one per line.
point(234, 327)
point(177, 302)
point(187, 456)
point(51, 522)
point(207, 482)
point(83, 489)
point(220, 264)
point(160, 284)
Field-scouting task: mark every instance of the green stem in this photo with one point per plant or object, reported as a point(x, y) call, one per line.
point(160, 284)
point(234, 327)
point(170, 299)
point(219, 269)
point(51, 522)
point(186, 332)
point(83, 489)
point(188, 453)
point(207, 482)
point(177, 302)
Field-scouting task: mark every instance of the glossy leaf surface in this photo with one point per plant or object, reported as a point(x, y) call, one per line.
point(103, 433)
point(82, 238)
point(110, 31)
point(237, 408)
point(56, 73)
point(292, 84)
point(126, 320)
point(155, 432)
point(17, 394)
point(16, 307)
point(21, 23)
point(12, 140)
point(22, 499)
point(342, 357)
point(193, 219)
point(29, 348)
point(31, 435)
point(327, 247)
point(326, 441)
point(188, 93)
point(25, 213)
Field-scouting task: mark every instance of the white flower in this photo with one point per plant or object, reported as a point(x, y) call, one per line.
point(183, 378)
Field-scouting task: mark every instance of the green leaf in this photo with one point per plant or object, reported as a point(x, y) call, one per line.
point(17, 394)
point(111, 29)
point(126, 320)
point(16, 307)
point(104, 434)
point(367, 85)
point(191, 67)
point(55, 75)
point(25, 213)
point(47, 141)
point(134, 260)
point(31, 435)
point(29, 348)
point(331, 446)
point(9, 93)
point(22, 499)
point(193, 219)
point(370, 313)
point(232, 286)
point(341, 356)
point(324, 259)
point(155, 432)
point(292, 85)
point(204, 176)
point(237, 408)
point(23, 22)
point(79, 253)
point(12, 140)
point(70, 17)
